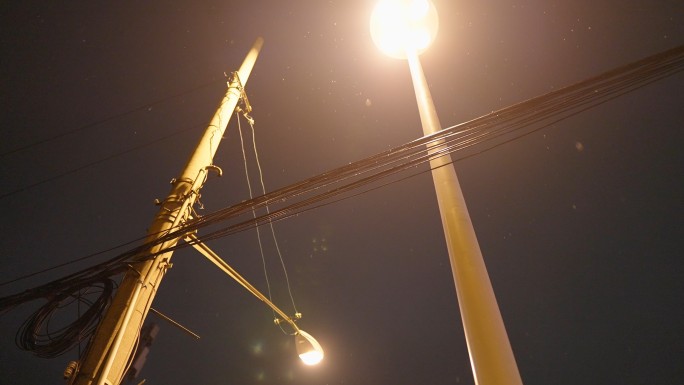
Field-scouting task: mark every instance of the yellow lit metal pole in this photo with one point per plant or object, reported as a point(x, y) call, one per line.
point(402, 29)
point(491, 356)
point(109, 352)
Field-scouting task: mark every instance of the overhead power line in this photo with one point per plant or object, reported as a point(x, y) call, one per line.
point(107, 119)
point(98, 161)
point(463, 140)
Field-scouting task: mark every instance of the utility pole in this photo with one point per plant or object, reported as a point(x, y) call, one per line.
point(109, 351)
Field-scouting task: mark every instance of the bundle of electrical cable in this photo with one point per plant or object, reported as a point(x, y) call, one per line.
point(460, 142)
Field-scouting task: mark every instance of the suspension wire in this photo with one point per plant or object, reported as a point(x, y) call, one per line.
point(251, 196)
point(98, 161)
point(474, 125)
point(558, 104)
point(484, 121)
point(270, 223)
point(108, 119)
point(491, 130)
point(250, 120)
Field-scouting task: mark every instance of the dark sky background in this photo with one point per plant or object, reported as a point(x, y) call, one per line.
point(580, 224)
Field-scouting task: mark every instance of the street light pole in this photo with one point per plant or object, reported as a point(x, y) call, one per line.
point(108, 353)
point(403, 29)
point(490, 351)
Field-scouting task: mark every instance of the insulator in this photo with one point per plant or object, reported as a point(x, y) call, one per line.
point(70, 369)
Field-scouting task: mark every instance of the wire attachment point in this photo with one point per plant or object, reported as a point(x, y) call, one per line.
point(246, 106)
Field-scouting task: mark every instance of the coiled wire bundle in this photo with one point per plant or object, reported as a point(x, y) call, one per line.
point(39, 334)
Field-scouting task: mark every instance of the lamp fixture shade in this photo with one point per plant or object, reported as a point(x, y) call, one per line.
point(309, 350)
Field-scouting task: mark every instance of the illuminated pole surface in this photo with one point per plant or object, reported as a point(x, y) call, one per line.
point(109, 353)
point(491, 356)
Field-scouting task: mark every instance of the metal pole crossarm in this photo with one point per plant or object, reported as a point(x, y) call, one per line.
point(108, 355)
point(223, 265)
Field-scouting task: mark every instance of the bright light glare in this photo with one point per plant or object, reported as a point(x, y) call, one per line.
point(311, 358)
point(401, 26)
point(309, 350)
point(418, 9)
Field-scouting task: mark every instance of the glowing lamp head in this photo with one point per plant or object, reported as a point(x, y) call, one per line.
point(309, 350)
point(402, 26)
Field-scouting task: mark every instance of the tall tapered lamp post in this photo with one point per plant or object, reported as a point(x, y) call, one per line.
point(403, 29)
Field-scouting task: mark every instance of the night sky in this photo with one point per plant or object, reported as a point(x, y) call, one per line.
point(580, 223)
